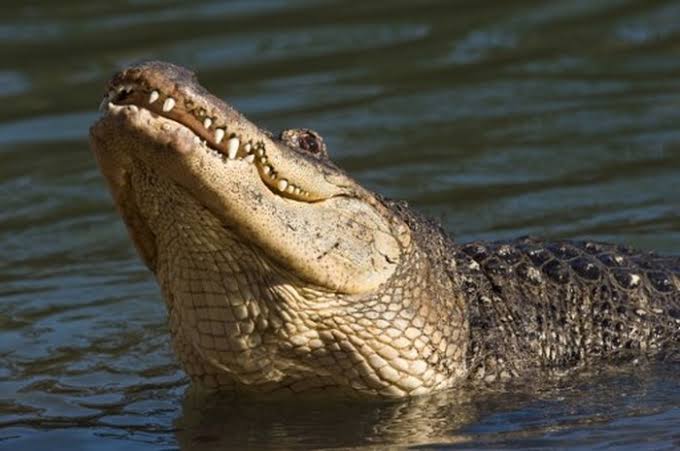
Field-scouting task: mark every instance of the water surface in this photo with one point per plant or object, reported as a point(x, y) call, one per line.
point(555, 118)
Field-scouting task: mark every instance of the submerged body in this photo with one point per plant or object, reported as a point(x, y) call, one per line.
point(281, 273)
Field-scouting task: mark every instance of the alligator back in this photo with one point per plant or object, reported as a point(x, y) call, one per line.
point(555, 305)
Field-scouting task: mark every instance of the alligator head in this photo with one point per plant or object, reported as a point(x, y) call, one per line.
point(279, 270)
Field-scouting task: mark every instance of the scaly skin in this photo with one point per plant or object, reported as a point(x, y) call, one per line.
point(282, 274)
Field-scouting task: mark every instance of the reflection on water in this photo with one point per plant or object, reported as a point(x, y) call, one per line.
point(214, 423)
point(550, 414)
point(519, 117)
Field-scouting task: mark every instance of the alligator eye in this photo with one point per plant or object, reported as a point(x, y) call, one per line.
point(305, 139)
point(309, 142)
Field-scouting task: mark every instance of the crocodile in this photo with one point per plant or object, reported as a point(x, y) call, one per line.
point(282, 274)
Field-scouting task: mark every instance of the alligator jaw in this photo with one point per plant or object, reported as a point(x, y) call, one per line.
point(291, 205)
point(173, 93)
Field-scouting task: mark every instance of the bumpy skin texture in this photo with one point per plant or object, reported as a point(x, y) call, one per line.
point(233, 328)
point(549, 306)
point(555, 305)
point(384, 304)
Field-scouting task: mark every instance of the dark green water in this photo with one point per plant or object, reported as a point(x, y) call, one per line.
point(501, 118)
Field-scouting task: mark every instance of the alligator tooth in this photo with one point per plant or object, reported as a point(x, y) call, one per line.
point(207, 122)
point(282, 184)
point(154, 96)
point(260, 152)
point(250, 158)
point(291, 189)
point(232, 147)
point(297, 190)
point(169, 104)
point(134, 108)
point(266, 170)
point(247, 147)
point(219, 135)
point(197, 140)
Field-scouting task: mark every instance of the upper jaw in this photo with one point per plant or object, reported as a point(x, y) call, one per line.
point(172, 92)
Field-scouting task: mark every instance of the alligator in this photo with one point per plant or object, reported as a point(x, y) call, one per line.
point(281, 274)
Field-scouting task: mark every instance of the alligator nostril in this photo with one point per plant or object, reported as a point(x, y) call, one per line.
point(122, 94)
